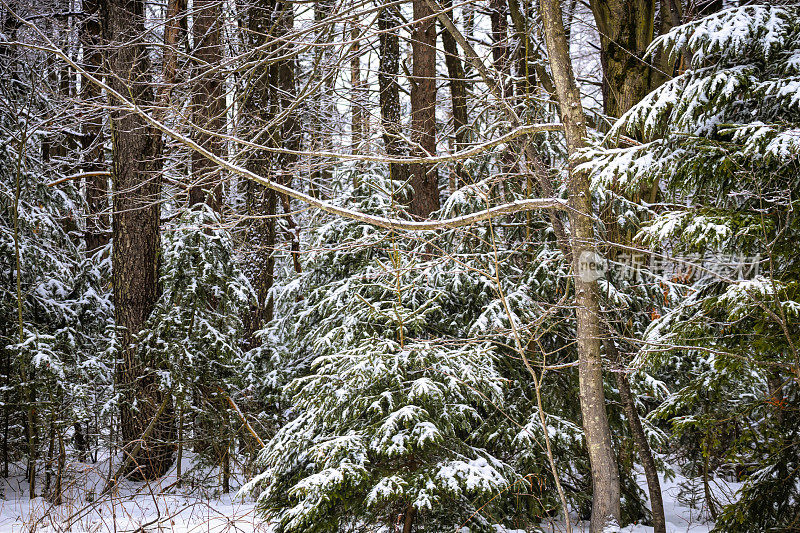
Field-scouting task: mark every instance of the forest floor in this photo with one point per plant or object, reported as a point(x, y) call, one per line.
point(161, 507)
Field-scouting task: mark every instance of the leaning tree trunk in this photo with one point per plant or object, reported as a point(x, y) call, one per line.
point(135, 229)
point(424, 177)
point(639, 440)
point(605, 476)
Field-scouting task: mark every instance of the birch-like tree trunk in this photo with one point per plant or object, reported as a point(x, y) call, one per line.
point(605, 475)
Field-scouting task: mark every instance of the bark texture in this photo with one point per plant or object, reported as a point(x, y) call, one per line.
point(272, 91)
point(458, 96)
point(358, 133)
point(626, 30)
point(640, 441)
point(389, 90)
point(96, 182)
point(424, 177)
point(136, 187)
point(605, 476)
point(208, 102)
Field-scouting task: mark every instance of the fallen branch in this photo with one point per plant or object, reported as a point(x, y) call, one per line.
point(241, 416)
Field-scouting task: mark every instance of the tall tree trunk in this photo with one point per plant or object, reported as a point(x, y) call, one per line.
point(389, 21)
point(96, 181)
point(256, 113)
point(136, 188)
point(605, 475)
point(356, 91)
point(458, 95)
point(272, 90)
point(424, 177)
point(498, 14)
point(208, 102)
point(626, 29)
point(533, 67)
point(290, 132)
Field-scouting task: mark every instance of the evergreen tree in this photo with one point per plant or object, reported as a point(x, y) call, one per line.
point(54, 310)
point(722, 138)
point(195, 333)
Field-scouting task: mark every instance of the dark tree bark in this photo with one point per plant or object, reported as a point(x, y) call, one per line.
point(389, 89)
point(94, 165)
point(458, 94)
point(639, 440)
point(605, 475)
point(626, 29)
point(531, 66)
point(272, 90)
point(208, 102)
point(285, 93)
point(358, 132)
point(424, 177)
point(136, 188)
point(498, 10)
point(258, 112)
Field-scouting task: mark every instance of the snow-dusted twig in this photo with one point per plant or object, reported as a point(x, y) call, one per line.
point(384, 222)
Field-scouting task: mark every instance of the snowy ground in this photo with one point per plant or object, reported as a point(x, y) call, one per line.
point(133, 507)
point(680, 517)
point(151, 508)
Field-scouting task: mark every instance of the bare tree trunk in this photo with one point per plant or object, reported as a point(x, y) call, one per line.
point(356, 90)
point(639, 440)
point(626, 29)
point(94, 165)
point(500, 56)
point(458, 95)
point(135, 227)
point(272, 89)
point(408, 520)
point(645, 454)
point(58, 489)
point(529, 52)
point(424, 177)
point(208, 102)
point(290, 133)
point(389, 90)
point(605, 475)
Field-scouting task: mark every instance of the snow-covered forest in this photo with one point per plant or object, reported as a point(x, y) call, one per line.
point(399, 266)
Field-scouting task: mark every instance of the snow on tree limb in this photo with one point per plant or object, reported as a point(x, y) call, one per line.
point(383, 222)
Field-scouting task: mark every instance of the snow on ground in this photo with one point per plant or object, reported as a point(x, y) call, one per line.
point(143, 512)
point(160, 507)
point(680, 517)
point(132, 507)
